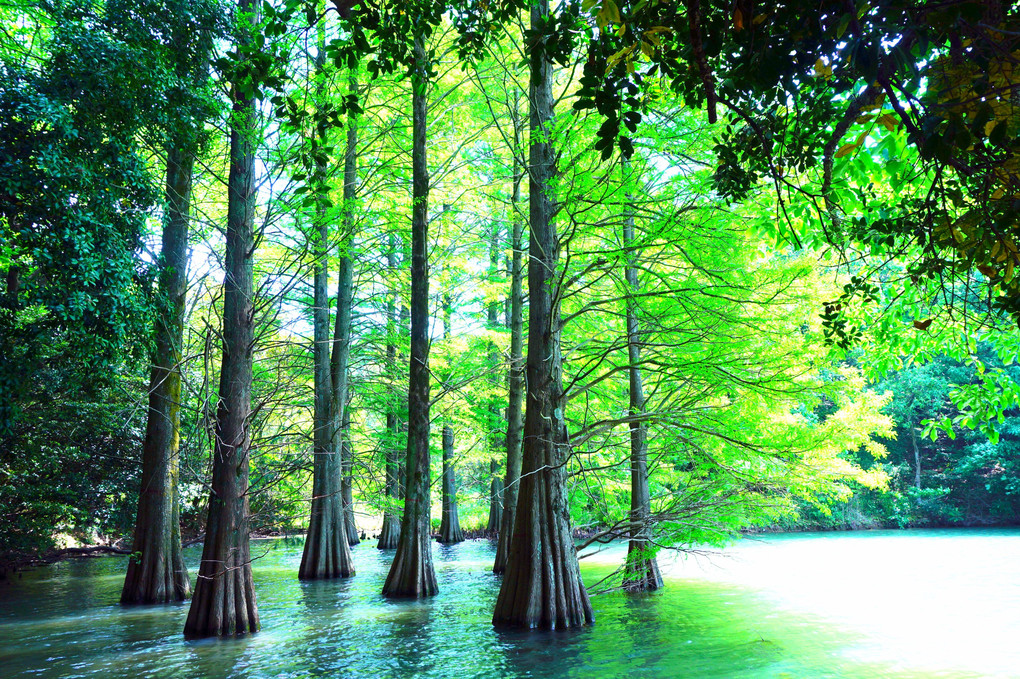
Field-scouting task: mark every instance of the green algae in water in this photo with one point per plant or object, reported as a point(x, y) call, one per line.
point(63, 621)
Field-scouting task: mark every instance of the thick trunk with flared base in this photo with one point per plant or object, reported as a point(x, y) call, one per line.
point(339, 369)
point(449, 527)
point(411, 573)
point(326, 554)
point(542, 584)
point(157, 574)
point(514, 411)
point(224, 599)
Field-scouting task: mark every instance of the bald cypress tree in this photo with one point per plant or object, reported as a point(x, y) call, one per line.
point(542, 584)
point(411, 573)
point(224, 599)
point(642, 570)
point(156, 573)
point(326, 552)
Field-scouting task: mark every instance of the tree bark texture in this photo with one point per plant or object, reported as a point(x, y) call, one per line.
point(411, 573)
point(449, 529)
point(224, 599)
point(542, 584)
point(342, 332)
point(514, 411)
point(390, 533)
point(326, 554)
point(642, 570)
point(156, 573)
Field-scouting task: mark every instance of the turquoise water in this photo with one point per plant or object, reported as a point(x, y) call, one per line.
point(877, 604)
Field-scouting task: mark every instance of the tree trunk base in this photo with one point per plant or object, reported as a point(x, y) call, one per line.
point(411, 574)
point(224, 600)
point(389, 536)
point(642, 570)
point(450, 531)
point(156, 580)
point(326, 555)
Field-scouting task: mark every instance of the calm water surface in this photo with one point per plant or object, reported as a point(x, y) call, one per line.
point(876, 604)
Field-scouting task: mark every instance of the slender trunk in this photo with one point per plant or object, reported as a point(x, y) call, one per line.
point(642, 571)
point(326, 554)
point(449, 530)
point(495, 494)
point(449, 527)
point(411, 573)
point(542, 584)
point(495, 411)
point(156, 572)
point(224, 599)
point(390, 533)
point(342, 331)
point(514, 411)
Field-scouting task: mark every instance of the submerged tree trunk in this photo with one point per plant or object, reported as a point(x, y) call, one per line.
point(449, 530)
point(326, 554)
point(642, 570)
point(411, 573)
point(514, 411)
point(342, 332)
point(542, 585)
point(449, 527)
point(390, 533)
point(224, 599)
point(156, 572)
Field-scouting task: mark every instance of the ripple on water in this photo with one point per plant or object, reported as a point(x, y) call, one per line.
point(866, 605)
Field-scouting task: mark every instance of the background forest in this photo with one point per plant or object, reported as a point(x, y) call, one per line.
point(814, 298)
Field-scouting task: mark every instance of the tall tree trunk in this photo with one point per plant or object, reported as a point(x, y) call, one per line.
point(449, 527)
point(514, 411)
point(156, 573)
point(411, 573)
point(542, 585)
point(224, 599)
point(326, 554)
point(342, 330)
point(495, 411)
point(642, 570)
point(390, 533)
